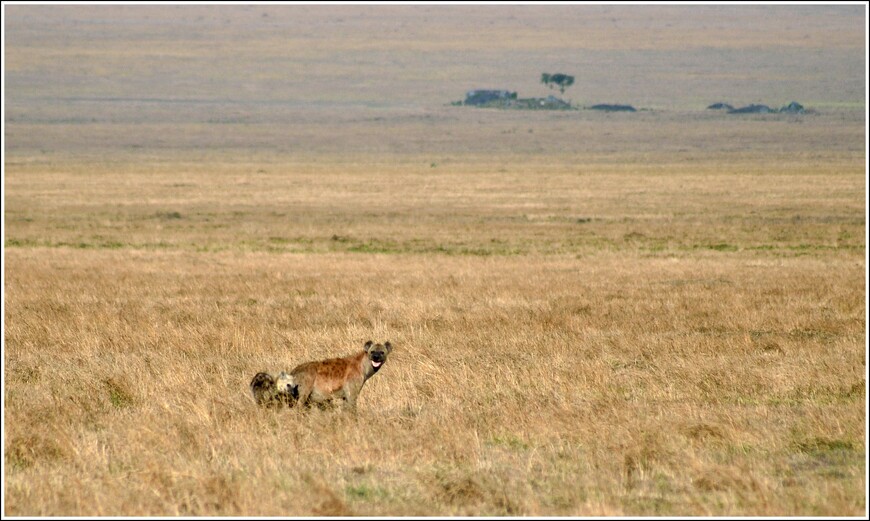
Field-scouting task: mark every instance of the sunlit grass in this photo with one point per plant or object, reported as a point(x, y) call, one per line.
point(578, 345)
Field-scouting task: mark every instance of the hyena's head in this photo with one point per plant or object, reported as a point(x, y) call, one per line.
point(285, 383)
point(377, 353)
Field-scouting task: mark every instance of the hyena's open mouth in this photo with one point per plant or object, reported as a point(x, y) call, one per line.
point(377, 358)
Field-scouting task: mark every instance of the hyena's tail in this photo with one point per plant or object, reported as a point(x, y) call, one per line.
point(263, 388)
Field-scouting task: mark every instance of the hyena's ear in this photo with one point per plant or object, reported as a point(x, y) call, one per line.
point(388, 346)
point(368, 346)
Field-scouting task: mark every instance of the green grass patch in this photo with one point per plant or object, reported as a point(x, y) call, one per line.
point(815, 446)
point(376, 247)
point(365, 492)
point(509, 440)
point(722, 246)
point(119, 397)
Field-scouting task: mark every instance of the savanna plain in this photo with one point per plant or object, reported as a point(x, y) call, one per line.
point(592, 314)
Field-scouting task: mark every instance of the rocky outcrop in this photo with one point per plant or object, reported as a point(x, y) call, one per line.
point(613, 108)
point(793, 108)
point(752, 109)
point(482, 97)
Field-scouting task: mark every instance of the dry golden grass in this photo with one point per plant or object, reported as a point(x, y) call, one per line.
point(698, 351)
point(659, 313)
point(540, 205)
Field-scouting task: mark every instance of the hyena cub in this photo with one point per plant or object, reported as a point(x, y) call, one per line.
point(275, 392)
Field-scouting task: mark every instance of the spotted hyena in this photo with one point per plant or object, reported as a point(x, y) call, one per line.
point(339, 379)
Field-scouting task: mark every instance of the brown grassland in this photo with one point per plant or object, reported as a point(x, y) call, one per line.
point(659, 313)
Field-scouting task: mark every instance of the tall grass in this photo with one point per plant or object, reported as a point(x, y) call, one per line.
point(642, 370)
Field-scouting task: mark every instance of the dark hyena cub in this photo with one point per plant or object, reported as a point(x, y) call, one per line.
point(274, 392)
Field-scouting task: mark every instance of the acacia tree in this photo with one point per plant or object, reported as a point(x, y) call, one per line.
point(563, 81)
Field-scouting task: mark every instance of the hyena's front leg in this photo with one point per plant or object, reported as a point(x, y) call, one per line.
point(305, 384)
point(351, 391)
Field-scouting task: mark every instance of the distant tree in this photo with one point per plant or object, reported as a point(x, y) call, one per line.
point(563, 81)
